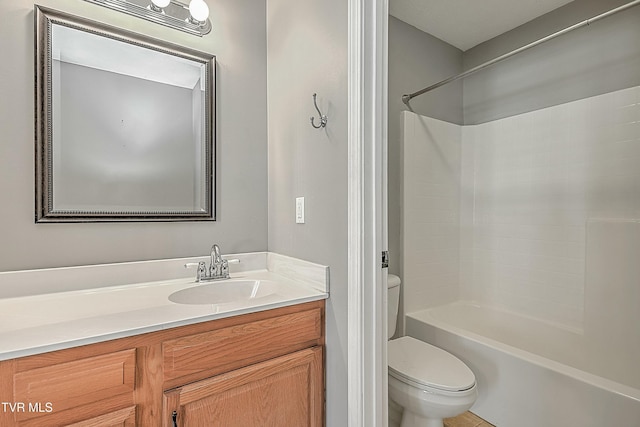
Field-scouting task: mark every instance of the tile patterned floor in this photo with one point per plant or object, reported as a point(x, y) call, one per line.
point(468, 419)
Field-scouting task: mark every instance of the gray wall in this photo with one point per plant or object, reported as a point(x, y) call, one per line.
point(416, 60)
point(307, 53)
point(596, 59)
point(238, 41)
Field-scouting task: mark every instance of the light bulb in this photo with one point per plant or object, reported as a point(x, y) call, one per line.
point(161, 3)
point(199, 10)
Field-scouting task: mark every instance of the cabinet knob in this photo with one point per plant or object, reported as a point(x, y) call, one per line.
point(174, 418)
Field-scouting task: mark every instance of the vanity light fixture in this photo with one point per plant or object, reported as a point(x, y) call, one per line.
point(158, 5)
point(192, 18)
point(199, 11)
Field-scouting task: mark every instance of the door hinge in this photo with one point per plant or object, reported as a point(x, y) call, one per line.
point(385, 259)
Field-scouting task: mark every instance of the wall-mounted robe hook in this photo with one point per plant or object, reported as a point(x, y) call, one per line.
point(323, 118)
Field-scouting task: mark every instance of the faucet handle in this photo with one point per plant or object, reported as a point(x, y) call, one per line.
point(225, 266)
point(202, 269)
point(194, 264)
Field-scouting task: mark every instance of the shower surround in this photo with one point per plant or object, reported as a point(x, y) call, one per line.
point(499, 212)
point(536, 214)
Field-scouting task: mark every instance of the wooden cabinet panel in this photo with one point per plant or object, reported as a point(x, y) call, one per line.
point(123, 418)
point(232, 347)
point(285, 391)
point(73, 384)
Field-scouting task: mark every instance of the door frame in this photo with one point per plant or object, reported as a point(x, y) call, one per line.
point(367, 212)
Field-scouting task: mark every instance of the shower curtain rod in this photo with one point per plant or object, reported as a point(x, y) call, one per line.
point(407, 98)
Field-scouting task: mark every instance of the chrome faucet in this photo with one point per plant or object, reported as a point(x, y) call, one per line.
point(218, 267)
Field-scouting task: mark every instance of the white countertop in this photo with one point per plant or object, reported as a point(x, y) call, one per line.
point(41, 323)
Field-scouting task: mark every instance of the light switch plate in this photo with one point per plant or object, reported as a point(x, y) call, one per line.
point(299, 210)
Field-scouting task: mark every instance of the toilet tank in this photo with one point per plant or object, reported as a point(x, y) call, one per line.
point(393, 301)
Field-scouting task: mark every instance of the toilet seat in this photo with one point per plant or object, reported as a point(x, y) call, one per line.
point(427, 367)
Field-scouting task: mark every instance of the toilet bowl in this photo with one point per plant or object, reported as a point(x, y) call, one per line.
point(429, 383)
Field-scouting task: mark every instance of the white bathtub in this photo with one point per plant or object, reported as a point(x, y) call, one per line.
point(535, 374)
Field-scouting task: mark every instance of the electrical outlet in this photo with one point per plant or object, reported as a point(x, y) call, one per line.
point(299, 210)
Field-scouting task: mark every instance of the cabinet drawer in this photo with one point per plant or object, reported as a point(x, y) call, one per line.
point(72, 384)
point(232, 347)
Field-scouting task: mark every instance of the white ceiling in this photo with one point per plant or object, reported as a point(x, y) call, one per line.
point(466, 23)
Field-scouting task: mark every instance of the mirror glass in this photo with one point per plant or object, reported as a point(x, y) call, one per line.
point(126, 130)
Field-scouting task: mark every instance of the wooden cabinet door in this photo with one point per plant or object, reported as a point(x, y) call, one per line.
point(285, 391)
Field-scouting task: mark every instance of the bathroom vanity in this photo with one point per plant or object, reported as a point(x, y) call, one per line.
point(241, 363)
point(262, 368)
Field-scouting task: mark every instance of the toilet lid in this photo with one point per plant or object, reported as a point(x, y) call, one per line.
point(424, 364)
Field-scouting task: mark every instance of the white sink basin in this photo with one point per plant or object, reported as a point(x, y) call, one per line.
point(224, 292)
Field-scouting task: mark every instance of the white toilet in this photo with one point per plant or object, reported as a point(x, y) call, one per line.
point(429, 383)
